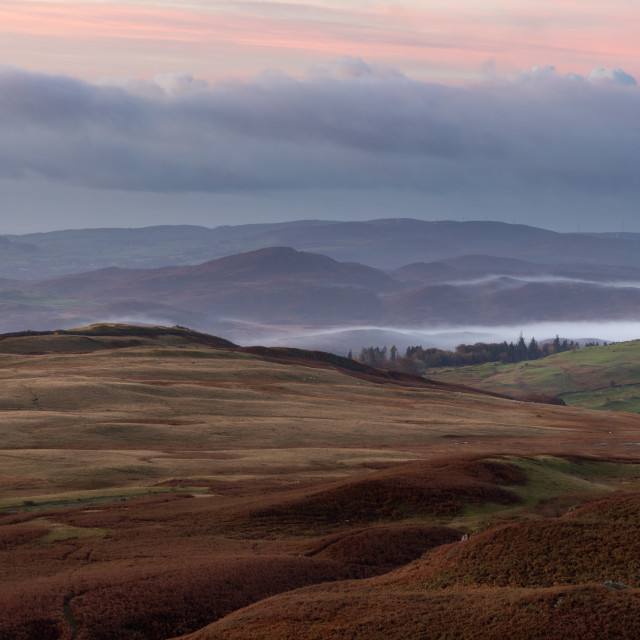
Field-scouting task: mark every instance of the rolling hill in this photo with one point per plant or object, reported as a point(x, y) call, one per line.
point(384, 244)
point(477, 267)
point(596, 377)
point(323, 284)
point(508, 301)
point(538, 579)
point(159, 482)
point(279, 290)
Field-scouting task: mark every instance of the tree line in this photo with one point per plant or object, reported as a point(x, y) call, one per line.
point(417, 358)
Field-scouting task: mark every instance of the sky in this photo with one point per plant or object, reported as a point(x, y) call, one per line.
point(205, 112)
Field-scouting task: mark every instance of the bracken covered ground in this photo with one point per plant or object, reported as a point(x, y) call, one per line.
point(161, 483)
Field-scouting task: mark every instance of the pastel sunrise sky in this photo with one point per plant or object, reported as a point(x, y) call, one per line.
point(206, 112)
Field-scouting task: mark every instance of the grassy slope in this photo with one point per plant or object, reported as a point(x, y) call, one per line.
point(161, 566)
point(346, 610)
point(605, 377)
point(272, 475)
point(128, 412)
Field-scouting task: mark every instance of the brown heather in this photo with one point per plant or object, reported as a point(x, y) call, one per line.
point(373, 611)
point(163, 483)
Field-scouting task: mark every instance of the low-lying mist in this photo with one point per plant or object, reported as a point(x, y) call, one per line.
point(517, 280)
point(342, 339)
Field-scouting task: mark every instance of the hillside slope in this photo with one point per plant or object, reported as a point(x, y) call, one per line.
point(279, 290)
point(598, 377)
point(385, 244)
point(572, 576)
point(157, 480)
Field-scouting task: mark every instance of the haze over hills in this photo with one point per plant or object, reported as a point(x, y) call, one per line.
point(282, 294)
point(384, 244)
point(474, 267)
point(405, 282)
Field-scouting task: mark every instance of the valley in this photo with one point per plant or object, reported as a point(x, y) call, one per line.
point(328, 285)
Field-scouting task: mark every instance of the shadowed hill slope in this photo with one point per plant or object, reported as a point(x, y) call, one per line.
point(270, 267)
point(370, 612)
point(267, 285)
point(577, 576)
point(474, 267)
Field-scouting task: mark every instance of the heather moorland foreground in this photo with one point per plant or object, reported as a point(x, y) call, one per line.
point(161, 483)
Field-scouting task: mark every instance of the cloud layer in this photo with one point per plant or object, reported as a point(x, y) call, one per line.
point(218, 38)
point(349, 125)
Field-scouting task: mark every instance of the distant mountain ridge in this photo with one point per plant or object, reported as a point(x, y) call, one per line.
point(280, 286)
point(383, 244)
point(446, 275)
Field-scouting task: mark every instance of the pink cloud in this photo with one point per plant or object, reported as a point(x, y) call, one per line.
point(427, 39)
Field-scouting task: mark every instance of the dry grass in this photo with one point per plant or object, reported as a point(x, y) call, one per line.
point(120, 417)
point(309, 475)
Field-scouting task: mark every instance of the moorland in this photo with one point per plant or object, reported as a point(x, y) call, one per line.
point(162, 483)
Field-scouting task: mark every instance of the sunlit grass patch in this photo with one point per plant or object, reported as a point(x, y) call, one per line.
point(604, 377)
point(612, 398)
point(59, 531)
point(552, 481)
point(550, 477)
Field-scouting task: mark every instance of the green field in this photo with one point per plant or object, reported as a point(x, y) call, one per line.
point(605, 377)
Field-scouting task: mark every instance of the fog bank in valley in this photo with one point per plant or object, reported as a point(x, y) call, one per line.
point(342, 339)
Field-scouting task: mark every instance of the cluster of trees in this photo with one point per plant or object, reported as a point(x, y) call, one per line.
point(417, 358)
point(379, 357)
